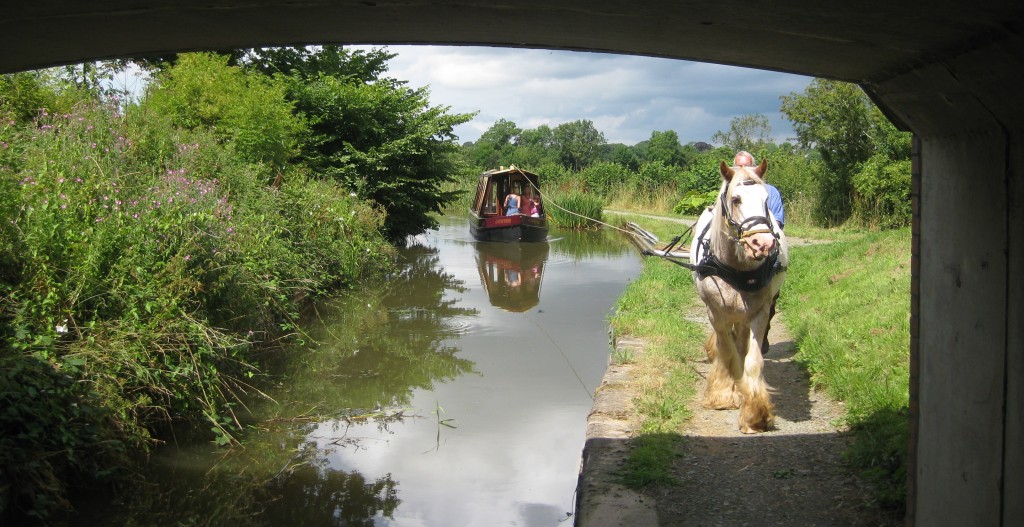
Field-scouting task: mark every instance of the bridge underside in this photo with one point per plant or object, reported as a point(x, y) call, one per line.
point(949, 71)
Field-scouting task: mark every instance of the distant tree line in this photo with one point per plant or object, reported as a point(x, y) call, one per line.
point(849, 163)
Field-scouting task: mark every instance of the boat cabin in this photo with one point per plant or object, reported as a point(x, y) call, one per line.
point(491, 220)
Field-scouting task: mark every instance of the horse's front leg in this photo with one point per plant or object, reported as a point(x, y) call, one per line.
point(726, 369)
point(756, 406)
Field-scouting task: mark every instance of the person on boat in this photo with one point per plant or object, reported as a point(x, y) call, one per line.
point(746, 159)
point(532, 208)
point(512, 204)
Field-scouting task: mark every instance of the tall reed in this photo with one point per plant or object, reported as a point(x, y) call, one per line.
point(573, 209)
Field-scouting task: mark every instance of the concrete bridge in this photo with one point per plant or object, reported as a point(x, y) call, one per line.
point(950, 71)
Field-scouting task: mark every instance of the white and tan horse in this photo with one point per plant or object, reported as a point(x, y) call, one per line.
point(738, 281)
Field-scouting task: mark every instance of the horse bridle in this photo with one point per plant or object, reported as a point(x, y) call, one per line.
point(745, 229)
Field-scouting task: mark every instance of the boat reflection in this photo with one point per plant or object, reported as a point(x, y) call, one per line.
point(512, 273)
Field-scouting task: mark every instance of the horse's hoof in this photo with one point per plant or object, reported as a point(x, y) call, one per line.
point(727, 401)
point(719, 405)
point(754, 419)
point(755, 428)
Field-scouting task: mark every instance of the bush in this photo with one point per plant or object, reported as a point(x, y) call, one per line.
point(603, 177)
point(882, 192)
point(656, 176)
point(795, 174)
point(703, 175)
point(694, 202)
point(142, 266)
point(201, 92)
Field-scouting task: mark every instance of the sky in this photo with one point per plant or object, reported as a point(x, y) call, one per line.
point(626, 97)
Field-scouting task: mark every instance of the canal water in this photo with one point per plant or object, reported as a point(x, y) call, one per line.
point(454, 394)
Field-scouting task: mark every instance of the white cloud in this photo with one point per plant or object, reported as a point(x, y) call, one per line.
point(626, 97)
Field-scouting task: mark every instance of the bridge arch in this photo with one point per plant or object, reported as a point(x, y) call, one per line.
point(951, 72)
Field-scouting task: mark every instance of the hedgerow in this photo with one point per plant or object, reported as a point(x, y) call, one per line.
point(143, 266)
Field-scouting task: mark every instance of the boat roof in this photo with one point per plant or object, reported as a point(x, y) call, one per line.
point(509, 171)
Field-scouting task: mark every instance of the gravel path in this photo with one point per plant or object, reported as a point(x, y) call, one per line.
point(791, 475)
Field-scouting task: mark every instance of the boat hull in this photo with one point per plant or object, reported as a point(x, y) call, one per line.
point(509, 229)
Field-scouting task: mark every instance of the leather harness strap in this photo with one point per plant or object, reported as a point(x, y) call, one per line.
point(709, 265)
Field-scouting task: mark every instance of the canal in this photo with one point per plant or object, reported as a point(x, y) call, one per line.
point(454, 394)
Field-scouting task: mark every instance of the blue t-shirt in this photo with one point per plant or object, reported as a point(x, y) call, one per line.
point(775, 204)
point(513, 205)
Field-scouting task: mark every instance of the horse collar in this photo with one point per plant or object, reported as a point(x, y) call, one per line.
point(748, 281)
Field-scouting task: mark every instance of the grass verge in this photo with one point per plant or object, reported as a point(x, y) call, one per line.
point(661, 307)
point(848, 307)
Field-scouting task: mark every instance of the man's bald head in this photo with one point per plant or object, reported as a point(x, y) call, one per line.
point(743, 159)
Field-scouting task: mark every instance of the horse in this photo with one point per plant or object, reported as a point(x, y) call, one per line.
point(739, 256)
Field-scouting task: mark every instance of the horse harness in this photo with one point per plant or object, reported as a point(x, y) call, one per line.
point(709, 265)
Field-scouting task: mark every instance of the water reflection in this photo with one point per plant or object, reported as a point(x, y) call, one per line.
point(372, 348)
point(512, 273)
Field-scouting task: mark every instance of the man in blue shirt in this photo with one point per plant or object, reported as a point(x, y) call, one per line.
point(746, 159)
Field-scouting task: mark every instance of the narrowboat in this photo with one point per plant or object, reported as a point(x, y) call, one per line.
point(492, 220)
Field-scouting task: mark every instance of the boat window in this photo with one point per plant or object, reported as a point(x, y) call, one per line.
point(491, 207)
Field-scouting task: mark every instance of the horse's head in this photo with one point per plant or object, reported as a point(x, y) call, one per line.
point(744, 206)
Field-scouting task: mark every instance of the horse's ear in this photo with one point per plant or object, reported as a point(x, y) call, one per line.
point(762, 168)
point(727, 172)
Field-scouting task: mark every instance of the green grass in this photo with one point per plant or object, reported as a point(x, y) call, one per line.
point(653, 308)
point(573, 210)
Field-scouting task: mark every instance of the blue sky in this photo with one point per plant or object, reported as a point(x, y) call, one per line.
point(626, 97)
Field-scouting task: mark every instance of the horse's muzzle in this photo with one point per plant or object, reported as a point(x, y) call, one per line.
point(759, 246)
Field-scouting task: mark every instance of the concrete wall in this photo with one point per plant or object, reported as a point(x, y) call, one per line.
point(962, 354)
point(967, 347)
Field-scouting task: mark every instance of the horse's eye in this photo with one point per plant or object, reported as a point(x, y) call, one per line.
point(736, 200)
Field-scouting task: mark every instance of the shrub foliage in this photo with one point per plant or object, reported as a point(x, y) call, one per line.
point(144, 260)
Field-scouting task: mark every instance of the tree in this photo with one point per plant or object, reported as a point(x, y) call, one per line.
point(623, 155)
point(747, 132)
point(578, 143)
point(385, 143)
point(495, 145)
point(664, 148)
point(847, 129)
point(534, 147)
point(311, 62)
point(369, 132)
point(835, 118)
point(201, 91)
